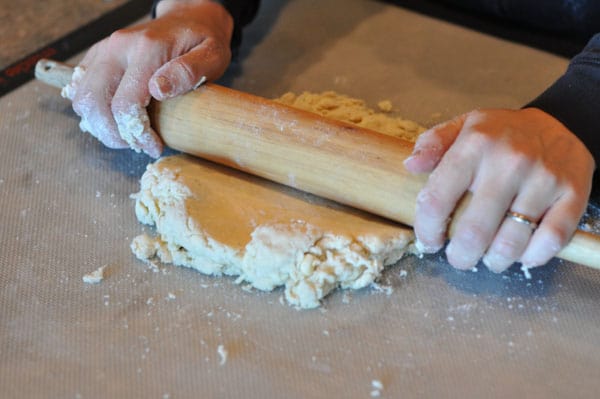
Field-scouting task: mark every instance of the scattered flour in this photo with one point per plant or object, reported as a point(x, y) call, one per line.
point(222, 354)
point(96, 276)
point(526, 272)
point(377, 386)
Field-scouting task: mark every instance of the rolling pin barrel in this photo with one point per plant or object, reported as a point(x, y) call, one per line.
point(331, 159)
point(335, 160)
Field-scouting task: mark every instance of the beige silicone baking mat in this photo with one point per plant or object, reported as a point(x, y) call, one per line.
point(427, 331)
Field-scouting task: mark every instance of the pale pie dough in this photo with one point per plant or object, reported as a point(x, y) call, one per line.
point(220, 221)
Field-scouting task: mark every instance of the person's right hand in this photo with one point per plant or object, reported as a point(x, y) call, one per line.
point(186, 45)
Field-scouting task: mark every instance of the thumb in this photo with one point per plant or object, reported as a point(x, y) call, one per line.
point(432, 144)
point(205, 62)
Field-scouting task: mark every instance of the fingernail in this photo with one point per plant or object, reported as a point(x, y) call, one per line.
point(428, 157)
point(459, 259)
point(425, 249)
point(154, 151)
point(495, 262)
point(164, 86)
point(408, 160)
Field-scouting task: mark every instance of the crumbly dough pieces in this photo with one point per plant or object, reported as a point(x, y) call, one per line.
point(220, 221)
point(347, 109)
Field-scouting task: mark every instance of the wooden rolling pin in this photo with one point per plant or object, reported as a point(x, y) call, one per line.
point(331, 159)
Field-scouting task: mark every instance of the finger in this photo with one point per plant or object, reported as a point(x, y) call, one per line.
point(535, 196)
point(556, 228)
point(206, 61)
point(515, 232)
point(92, 102)
point(432, 144)
point(508, 245)
point(129, 110)
point(91, 55)
point(437, 200)
point(70, 90)
point(476, 227)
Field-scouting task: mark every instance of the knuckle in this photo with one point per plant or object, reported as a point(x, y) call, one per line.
point(183, 71)
point(218, 48)
point(430, 203)
point(145, 40)
point(518, 163)
point(508, 247)
point(213, 45)
point(117, 38)
point(466, 152)
point(473, 234)
point(474, 117)
point(139, 41)
point(550, 179)
point(458, 159)
point(555, 238)
point(121, 104)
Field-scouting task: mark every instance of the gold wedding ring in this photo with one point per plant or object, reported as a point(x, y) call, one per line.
point(520, 218)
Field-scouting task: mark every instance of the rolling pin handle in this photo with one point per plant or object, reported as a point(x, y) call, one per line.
point(53, 73)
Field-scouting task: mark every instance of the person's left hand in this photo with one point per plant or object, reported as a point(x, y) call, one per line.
point(521, 161)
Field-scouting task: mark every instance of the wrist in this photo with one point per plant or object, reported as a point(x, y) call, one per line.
point(162, 7)
point(210, 12)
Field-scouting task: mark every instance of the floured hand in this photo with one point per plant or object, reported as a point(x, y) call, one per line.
point(521, 161)
point(112, 86)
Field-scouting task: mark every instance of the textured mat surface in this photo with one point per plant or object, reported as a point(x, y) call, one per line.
point(427, 331)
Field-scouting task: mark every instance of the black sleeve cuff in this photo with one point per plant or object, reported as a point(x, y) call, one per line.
point(242, 11)
point(574, 99)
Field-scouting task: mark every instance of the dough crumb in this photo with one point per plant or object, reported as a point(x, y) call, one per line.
point(96, 276)
point(385, 105)
point(386, 289)
point(346, 297)
point(377, 386)
point(222, 355)
point(526, 272)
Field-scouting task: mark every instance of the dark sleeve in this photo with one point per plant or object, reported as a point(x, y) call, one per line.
point(242, 11)
point(580, 17)
point(574, 99)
